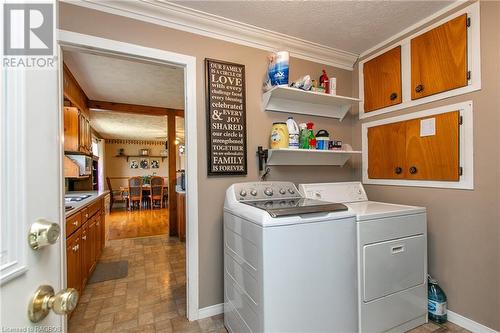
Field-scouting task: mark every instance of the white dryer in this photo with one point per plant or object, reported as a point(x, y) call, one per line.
point(289, 262)
point(392, 257)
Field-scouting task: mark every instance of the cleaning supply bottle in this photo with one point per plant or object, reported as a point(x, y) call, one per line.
point(322, 138)
point(279, 136)
point(303, 136)
point(293, 133)
point(437, 301)
point(310, 136)
point(324, 82)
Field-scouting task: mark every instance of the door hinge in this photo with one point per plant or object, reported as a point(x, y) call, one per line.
point(460, 171)
point(461, 120)
point(468, 75)
point(468, 22)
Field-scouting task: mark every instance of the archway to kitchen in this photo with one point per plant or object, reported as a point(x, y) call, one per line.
point(133, 138)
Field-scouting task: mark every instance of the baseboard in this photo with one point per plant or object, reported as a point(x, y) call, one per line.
point(454, 317)
point(210, 311)
point(469, 324)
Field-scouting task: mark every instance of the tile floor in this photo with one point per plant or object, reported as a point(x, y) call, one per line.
point(152, 298)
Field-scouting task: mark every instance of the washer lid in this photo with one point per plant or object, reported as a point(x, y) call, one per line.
point(369, 210)
point(297, 206)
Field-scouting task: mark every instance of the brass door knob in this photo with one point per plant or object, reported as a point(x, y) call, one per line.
point(44, 300)
point(43, 233)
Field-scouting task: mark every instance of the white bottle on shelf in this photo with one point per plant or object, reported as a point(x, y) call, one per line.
point(293, 133)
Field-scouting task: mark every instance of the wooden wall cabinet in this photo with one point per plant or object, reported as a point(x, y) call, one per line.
point(387, 151)
point(402, 150)
point(77, 131)
point(382, 80)
point(439, 59)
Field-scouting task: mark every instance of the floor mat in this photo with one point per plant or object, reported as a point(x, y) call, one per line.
point(113, 270)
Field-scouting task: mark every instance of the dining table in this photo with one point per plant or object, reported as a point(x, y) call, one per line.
point(146, 190)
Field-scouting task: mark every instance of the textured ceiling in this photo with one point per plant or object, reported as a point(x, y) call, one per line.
point(113, 79)
point(117, 125)
point(119, 80)
point(353, 26)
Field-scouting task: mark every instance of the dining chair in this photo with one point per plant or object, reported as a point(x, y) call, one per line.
point(135, 191)
point(116, 195)
point(156, 191)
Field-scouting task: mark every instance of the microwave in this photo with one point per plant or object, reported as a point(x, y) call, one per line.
point(84, 164)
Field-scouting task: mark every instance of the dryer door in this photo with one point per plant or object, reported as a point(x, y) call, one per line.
point(393, 266)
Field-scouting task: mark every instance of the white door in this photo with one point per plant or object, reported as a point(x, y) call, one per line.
point(31, 189)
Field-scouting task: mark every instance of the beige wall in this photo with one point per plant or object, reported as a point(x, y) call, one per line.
point(463, 225)
point(212, 189)
point(119, 167)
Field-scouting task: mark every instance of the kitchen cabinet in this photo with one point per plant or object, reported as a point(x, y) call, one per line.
point(84, 243)
point(387, 151)
point(439, 59)
point(433, 157)
point(418, 149)
point(181, 215)
point(71, 128)
point(74, 261)
point(86, 253)
point(382, 80)
point(77, 131)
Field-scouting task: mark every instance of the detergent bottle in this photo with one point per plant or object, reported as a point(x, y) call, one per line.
point(293, 133)
point(437, 301)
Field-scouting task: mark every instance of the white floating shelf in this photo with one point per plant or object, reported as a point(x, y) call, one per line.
point(287, 156)
point(293, 100)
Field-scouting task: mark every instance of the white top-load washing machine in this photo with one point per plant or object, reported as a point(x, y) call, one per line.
point(392, 257)
point(289, 262)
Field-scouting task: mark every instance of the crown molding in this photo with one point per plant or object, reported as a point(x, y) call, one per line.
point(186, 19)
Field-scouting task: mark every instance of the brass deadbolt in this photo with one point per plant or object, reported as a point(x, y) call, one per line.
point(43, 233)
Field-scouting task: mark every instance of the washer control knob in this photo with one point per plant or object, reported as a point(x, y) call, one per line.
point(282, 191)
point(243, 193)
point(253, 192)
point(291, 191)
point(268, 191)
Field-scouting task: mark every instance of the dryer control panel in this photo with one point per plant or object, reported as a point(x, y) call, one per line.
point(265, 191)
point(334, 192)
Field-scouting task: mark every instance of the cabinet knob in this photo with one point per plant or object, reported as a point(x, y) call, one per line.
point(393, 96)
point(398, 170)
point(419, 88)
point(413, 170)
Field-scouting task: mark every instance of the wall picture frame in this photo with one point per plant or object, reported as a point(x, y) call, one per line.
point(144, 163)
point(226, 118)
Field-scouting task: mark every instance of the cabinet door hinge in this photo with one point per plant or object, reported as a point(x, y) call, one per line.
point(460, 171)
point(468, 22)
point(468, 75)
point(461, 120)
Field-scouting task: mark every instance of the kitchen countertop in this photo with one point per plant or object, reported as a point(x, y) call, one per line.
point(78, 205)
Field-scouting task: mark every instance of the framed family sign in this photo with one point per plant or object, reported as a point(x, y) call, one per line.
point(226, 118)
